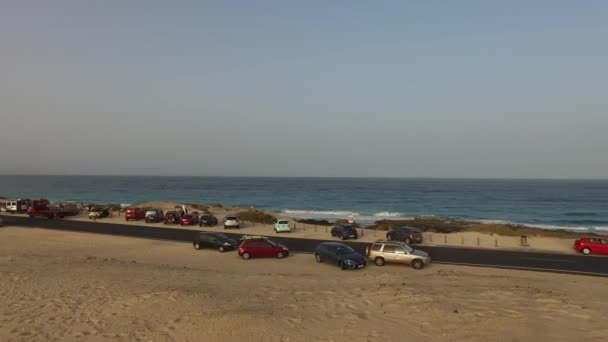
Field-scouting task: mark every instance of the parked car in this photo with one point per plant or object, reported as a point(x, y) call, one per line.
point(134, 214)
point(344, 232)
point(154, 215)
point(69, 209)
point(591, 245)
point(408, 235)
point(172, 217)
point(98, 212)
point(42, 208)
point(207, 220)
point(189, 220)
point(383, 251)
point(342, 255)
point(1, 222)
point(282, 226)
point(261, 247)
point(14, 205)
point(232, 221)
point(214, 240)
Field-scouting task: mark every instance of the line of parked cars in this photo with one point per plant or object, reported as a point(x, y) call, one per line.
point(178, 217)
point(340, 254)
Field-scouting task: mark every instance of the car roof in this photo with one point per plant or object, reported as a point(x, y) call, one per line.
point(407, 228)
point(386, 242)
point(337, 244)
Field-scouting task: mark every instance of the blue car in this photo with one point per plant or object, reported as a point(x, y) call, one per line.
point(342, 255)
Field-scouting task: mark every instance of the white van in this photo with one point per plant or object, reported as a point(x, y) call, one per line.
point(14, 205)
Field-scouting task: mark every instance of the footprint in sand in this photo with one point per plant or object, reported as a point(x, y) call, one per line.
point(294, 320)
point(362, 315)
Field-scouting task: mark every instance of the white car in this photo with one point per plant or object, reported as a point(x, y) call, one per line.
point(232, 221)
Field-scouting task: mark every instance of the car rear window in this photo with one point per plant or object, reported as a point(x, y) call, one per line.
point(283, 222)
point(231, 218)
point(188, 216)
point(376, 247)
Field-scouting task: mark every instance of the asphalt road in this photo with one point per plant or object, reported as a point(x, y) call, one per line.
point(532, 261)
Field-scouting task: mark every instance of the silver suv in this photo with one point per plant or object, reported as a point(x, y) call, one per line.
point(232, 221)
point(383, 251)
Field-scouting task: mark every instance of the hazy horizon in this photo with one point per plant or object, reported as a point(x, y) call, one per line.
point(467, 90)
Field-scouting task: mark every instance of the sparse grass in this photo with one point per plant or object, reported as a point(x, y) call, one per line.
point(257, 216)
point(201, 207)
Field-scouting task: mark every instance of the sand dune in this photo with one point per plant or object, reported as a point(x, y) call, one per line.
point(72, 286)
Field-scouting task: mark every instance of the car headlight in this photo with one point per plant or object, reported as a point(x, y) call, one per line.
point(349, 262)
point(226, 243)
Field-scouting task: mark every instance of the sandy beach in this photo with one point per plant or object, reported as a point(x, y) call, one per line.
point(73, 286)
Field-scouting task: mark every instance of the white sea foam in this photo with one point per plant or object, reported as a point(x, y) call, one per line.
point(387, 214)
point(319, 213)
point(363, 218)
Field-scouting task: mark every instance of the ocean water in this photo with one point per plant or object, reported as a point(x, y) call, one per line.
point(577, 204)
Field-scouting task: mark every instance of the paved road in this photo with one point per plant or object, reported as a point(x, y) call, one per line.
point(534, 261)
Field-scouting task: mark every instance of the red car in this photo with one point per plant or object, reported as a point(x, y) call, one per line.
point(134, 214)
point(261, 247)
point(189, 220)
point(589, 245)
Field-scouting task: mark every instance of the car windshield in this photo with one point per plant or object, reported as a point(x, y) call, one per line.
point(408, 249)
point(344, 250)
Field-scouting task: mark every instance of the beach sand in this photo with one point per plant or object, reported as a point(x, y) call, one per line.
point(76, 286)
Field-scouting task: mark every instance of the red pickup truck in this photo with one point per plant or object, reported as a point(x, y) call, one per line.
point(134, 214)
point(41, 208)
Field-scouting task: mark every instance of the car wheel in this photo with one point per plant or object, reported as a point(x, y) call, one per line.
point(225, 227)
point(238, 227)
point(342, 265)
point(343, 237)
point(197, 246)
point(417, 264)
point(280, 255)
point(246, 256)
point(407, 241)
point(379, 261)
point(318, 258)
point(586, 251)
point(222, 249)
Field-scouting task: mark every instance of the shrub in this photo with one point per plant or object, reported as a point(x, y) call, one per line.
point(257, 216)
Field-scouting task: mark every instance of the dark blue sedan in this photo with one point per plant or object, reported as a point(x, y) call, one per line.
point(342, 255)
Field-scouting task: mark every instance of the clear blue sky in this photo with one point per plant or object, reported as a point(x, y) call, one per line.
point(512, 89)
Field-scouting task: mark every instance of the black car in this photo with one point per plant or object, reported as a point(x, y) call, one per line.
point(214, 240)
point(344, 232)
point(154, 215)
point(172, 217)
point(342, 255)
point(207, 220)
point(408, 235)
